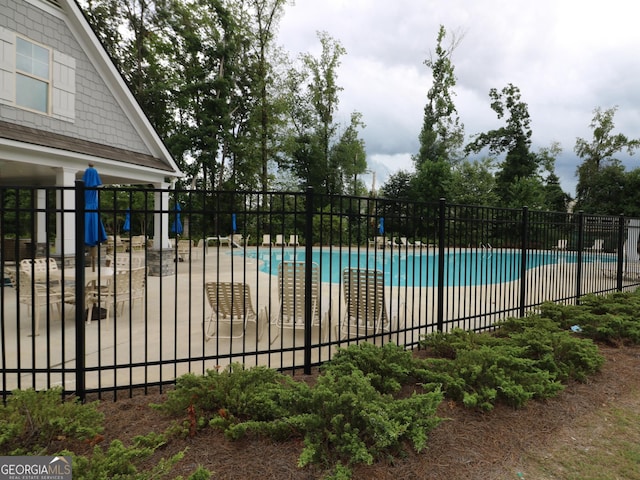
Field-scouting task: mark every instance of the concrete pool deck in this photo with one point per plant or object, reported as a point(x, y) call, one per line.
point(142, 341)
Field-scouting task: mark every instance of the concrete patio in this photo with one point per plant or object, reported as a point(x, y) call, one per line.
point(162, 338)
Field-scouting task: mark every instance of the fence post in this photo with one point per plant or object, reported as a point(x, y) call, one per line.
point(621, 252)
point(523, 259)
point(80, 286)
point(308, 273)
point(441, 254)
point(579, 256)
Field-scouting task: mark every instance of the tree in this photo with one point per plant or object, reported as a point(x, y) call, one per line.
point(604, 191)
point(398, 186)
point(442, 133)
point(514, 138)
point(604, 145)
point(323, 88)
point(131, 32)
point(473, 183)
point(599, 167)
point(312, 102)
point(349, 158)
point(267, 110)
point(631, 205)
point(555, 199)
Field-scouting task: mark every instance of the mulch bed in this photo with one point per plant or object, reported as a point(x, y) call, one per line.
point(469, 445)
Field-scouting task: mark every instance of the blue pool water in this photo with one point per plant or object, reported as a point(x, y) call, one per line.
point(412, 269)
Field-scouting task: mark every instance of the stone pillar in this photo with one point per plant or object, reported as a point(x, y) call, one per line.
point(160, 258)
point(160, 263)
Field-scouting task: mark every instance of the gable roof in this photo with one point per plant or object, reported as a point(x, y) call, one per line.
point(25, 148)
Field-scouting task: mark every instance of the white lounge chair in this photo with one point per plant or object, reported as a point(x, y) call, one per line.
point(42, 270)
point(237, 240)
point(405, 243)
point(292, 294)
point(266, 239)
point(365, 311)
point(231, 305)
point(380, 241)
point(562, 244)
point(598, 245)
point(279, 242)
point(293, 241)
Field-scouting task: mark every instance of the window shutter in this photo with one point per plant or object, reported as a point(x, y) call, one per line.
point(64, 87)
point(7, 66)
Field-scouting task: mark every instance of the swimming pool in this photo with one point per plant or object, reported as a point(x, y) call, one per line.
point(412, 269)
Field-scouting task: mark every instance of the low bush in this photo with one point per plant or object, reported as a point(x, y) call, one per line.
point(347, 417)
point(613, 319)
point(30, 421)
point(524, 359)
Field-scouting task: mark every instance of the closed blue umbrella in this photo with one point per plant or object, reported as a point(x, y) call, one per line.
point(233, 223)
point(94, 232)
point(126, 226)
point(176, 226)
point(381, 226)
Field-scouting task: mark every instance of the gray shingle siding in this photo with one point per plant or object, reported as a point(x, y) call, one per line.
point(98, 117)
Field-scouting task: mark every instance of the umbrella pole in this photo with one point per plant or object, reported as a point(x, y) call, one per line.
point(93, 251)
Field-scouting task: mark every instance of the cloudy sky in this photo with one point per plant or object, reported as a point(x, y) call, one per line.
point(567, 57)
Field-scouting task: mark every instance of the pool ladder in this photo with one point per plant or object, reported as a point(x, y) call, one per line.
point(486, 250)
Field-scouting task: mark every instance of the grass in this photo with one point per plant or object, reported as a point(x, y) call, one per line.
point(603, 445)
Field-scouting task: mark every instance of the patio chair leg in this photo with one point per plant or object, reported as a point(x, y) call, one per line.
point(36, 319)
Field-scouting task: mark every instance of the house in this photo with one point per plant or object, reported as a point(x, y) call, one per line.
point(64, 105)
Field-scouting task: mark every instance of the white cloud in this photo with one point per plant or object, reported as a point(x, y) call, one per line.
point(566, 57)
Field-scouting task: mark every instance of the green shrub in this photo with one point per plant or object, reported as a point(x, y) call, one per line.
point(482, 376)
point(557, 350)
point(120, 461)
point(351, 422)
point(387, 367)
point(612, 319)
point(235, 394)
point(343, 419)
point(31, 420)
point(523, 359)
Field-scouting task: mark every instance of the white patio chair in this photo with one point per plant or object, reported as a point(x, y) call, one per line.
point(292, 295)
point(365, 311)
point(279, 242)
point(231, 305)
point(562, 244)
point(137, 243)
point(598, 245)
point(114, 295)
point(197, 252)
point(138, 279)
point(36, 295)
point(266, 240)
point(124, 261)
point(184, 250)
point(294, 241)
point(381, 241)
point(42, 269)
point(237, 240)
point(405, 243)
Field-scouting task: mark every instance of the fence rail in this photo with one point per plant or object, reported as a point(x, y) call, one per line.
point(279, 279)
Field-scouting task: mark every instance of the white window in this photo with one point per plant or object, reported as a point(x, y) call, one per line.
point(32, 75)
point(36, 77)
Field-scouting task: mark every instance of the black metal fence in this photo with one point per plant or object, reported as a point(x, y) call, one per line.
point(278, 278)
